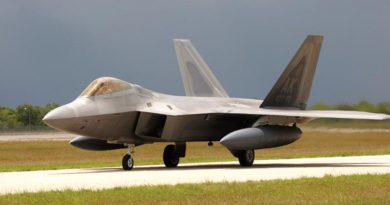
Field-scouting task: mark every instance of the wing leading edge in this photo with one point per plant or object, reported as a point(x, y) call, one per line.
point(337, 114)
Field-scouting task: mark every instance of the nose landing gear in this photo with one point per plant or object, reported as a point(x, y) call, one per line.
point(127, 160)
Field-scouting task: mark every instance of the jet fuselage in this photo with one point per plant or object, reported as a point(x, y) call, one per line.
point(137, 115)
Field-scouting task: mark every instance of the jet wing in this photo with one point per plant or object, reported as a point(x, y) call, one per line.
point(221, 110)
point(337, 114)
point(214, 123)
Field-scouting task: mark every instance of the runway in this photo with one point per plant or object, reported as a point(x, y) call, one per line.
point(102, 178)
point(32, 136)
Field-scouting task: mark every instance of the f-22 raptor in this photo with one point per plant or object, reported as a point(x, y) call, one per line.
point(114, 114)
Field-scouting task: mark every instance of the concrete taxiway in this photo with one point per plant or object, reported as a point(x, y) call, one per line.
point(101, 178)
point(31, 136)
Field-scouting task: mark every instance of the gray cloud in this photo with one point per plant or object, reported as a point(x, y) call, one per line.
point(50, 50)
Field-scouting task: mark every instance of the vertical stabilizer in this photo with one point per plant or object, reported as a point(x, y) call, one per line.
point(197, 77)
point(293, 87)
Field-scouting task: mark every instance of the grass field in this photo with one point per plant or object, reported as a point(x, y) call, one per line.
point(37, 155)
point(357, 189)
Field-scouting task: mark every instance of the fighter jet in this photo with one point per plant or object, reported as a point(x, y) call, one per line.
point(114, 114)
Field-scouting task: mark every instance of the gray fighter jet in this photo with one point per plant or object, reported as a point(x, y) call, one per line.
point(113, 114)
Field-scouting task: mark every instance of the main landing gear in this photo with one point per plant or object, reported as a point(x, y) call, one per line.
point(170, 156)
point(173, 153)
point(245, 157)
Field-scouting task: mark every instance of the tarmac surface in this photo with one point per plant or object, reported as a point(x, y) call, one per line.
point(102, 178)
point(31, 136)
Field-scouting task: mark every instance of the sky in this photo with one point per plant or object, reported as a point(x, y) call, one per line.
point(50, 50)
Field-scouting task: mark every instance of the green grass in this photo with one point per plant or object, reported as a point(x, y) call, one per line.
point(37, 155)
point(356, 189)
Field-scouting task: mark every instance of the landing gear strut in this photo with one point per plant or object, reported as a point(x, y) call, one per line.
point(127, 160)
point(172, 154)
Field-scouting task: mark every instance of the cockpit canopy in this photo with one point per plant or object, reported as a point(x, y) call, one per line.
point(105, 85)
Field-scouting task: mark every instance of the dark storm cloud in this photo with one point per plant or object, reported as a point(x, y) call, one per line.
point(50, 50)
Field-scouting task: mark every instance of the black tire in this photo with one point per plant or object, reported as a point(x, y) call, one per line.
point(127, 162)
point(246, 157)
point(170, 156)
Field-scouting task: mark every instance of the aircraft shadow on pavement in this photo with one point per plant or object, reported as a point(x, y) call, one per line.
point(233, 166)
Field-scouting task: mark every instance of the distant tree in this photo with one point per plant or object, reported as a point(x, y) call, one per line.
point(44, 110)
point(363, 105)
point(344, 107)
point(366, 106)
point(321, 106)
point(27, 113)
point(23, 115)
point(8, 119)
point(383, 108)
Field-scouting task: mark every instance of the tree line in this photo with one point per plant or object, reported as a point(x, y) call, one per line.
point(364, 105)
point(24, 116)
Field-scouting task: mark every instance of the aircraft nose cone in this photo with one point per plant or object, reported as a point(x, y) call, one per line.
point(60, 113)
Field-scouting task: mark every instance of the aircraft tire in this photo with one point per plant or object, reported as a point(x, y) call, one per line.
point(246, 157)
point(127, 162)
point(170, 156)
